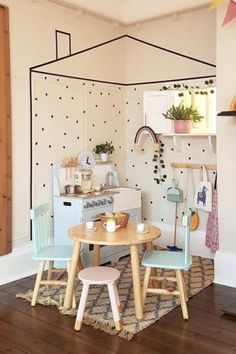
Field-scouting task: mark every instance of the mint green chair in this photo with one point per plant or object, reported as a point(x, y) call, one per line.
point(178, 261)
point(44, 252)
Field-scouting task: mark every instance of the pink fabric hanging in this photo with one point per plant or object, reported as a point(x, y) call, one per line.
point(212, 228)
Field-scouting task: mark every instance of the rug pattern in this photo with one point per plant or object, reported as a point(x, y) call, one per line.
point(98, 311)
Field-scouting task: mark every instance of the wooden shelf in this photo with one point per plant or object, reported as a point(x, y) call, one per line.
point(227, 114)
point(100, 162)
point(177, 139)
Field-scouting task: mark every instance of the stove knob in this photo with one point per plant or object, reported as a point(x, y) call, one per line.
point(86, 205)
point(92, 204)
point(98, 202)
point(110, 200)
point(104, 201)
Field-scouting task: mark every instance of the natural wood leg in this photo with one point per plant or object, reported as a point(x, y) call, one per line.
point(96, 255)
point(72, 274)
point(80, 264)
point(184, 285)
point(145, 284)
point(37, 282)
point(149, 247)
point(49, 276)
point(181, 290)
point(114, 306)
point(82, 303)
point(136, 281)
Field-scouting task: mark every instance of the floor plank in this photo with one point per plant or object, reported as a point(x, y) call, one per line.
point(41, 329)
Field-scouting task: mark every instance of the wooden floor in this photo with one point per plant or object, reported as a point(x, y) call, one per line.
point(44, 330)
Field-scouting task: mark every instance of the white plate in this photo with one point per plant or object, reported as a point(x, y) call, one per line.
point(145, 231)
point(90, 230)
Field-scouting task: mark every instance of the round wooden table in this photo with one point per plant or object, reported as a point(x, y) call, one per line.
point(125, 236)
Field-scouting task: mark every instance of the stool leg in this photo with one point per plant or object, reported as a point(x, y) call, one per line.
point(73, 295)
point(182, 297)
point(114, 306)
point(117, 299)
point(82, 303)
point(185, 287)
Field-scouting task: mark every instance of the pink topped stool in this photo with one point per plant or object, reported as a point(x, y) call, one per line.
point(99, 276)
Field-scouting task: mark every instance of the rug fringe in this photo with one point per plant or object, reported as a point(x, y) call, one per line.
point(43, 300)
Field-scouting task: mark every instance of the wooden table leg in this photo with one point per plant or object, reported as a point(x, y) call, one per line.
point(72, 274)
point(136, 281)
point(96, 255)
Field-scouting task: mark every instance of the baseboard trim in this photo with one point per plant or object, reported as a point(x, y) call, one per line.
point(18, 264)
point(225, 265)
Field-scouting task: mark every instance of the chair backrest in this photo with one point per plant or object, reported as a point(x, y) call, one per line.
point(39, 217)
point(185, 223)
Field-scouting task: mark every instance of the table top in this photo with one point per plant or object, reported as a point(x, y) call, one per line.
point(121, 237)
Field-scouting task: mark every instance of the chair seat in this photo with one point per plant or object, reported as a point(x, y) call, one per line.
point(99, 275)
point(56, 252)
point(165, 259)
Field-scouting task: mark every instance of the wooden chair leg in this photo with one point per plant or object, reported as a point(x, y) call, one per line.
point(82, 303)
point(145, 284)
point(185, 287)
point(37, 282)
point(49, 275)
point(182, 297)
point(114, 306)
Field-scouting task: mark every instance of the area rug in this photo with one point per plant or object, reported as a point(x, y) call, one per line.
point(98, 311)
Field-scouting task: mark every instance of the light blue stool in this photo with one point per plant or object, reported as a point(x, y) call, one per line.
point(177, 261)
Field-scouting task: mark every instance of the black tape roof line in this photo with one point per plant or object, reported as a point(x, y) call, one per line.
point(119, 38)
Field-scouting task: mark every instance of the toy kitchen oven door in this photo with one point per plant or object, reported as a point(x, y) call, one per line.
point(73, 209)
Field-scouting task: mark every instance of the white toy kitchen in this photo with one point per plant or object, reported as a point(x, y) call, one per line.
point(84, 190)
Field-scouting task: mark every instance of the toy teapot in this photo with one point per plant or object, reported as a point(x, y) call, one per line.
point(110, 225)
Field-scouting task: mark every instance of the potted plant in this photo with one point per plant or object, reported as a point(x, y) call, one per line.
point(183, 116)
point(104, 150)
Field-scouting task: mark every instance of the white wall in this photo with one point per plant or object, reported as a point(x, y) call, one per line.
point(226, 58)
point(32, 41)
point(186, 36)
point(32, 33)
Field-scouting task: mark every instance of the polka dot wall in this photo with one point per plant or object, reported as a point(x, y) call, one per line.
point(71, 115)
point(140, 166)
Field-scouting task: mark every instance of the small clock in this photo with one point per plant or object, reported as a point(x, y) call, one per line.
point(86, 160)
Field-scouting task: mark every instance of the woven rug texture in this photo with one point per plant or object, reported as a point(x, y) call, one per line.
point(98, 310)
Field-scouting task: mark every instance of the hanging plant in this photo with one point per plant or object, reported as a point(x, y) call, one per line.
point(159, 166)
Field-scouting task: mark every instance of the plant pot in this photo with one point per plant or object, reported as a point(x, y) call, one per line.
point(182, 126)
point(104, 157)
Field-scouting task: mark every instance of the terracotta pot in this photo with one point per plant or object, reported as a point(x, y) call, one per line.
point(182, 126)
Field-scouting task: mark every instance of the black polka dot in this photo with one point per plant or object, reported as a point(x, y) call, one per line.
point(43, 129)
point(51, 164)
point(115, 131)
point(67, 86)
point(151, 202)
point(49, 146)
point(104, 121)
point(37, 163)
point(46, 94)
point(127, 180)
point(189, 144)
point(90, 92)
point(189, 158)
point(136, 185)
point(113, 105)
point(138, 103)
point(36, 99)
point(67, 117)
point(108, 93)
point(133, 165)
point(162, 219)
point(64, 133)
point(36, 143)
point(45, 77)
point(51, 216)
point(128, 120)
point(36, 115)
point(181, 172)
point(93, 84)
point(115, 164)
point(126, 102)
point(58, 79)
point(203, 150)
point(145, 219)
point(164, 197)
point(119, 147)
point(77, 138)
point(60, 98)
point(77, 122)
point(93, 125)
point(64, 147)
point(145, 162)
point(84, 112)
point(83, 83)
point(172, 149)
point(44, 185)
point(52, 116)
point(131, 150)
point(135, 89)
point(119, 112)
point(72, 97)
point(119, 88)
point(96, 105)
point(101, 93)
point(90, 139)
point(142, 149)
